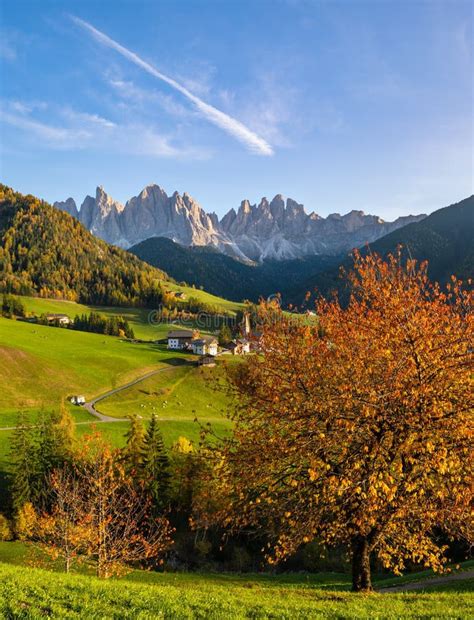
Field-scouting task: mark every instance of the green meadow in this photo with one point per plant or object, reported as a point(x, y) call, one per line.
point(27, 592)
point(41, 365)
point(140, 319)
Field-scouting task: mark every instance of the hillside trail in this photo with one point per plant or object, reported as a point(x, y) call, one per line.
point(433, 581)
point(90, 406)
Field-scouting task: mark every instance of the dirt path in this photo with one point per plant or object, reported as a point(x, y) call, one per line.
point(434, 581)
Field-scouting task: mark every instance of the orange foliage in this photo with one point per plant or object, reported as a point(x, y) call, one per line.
point(356, 426)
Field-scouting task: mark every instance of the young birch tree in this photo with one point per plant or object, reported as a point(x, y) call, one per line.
point(66, 531)
point(357, 428)
point(124, 529)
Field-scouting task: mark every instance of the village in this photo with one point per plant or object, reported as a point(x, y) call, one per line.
point(207, 347)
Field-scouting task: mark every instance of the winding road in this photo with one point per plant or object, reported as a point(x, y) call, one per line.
point(90, 406)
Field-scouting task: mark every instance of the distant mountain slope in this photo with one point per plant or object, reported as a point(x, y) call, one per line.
point(445, 239)
point(223, 275)
point(46, 252)
point(272, 230)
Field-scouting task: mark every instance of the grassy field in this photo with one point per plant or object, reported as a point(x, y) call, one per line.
point(138, 318)
point(213, 300)
point(42, 364)
point(179, 394)
point(33, 593)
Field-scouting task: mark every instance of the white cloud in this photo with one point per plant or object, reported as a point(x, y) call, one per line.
point(92, 119)
point(229, 124)
point(74, 130)
point(56, 137)
point(137, 96)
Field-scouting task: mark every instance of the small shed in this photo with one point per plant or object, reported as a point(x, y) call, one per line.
point(58, 319)
point(78, 400)
point(207, 360)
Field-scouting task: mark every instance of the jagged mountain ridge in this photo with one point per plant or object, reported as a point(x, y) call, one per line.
point(276, 230)
point(445, 239)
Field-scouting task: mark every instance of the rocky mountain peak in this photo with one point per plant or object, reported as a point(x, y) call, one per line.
point(277, 229)
point(106, 203)
point(294, 208)
point(69, 206)
point(277, 206)
point(245, 207)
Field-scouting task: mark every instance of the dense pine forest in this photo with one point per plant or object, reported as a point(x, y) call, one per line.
point(46, 252)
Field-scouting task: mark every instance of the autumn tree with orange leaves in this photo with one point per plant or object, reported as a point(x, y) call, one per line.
point(66, 531)
point(356, 428)
point(100, 514)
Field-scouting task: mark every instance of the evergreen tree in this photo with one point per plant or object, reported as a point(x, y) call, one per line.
point(22, 453)
point(132, 453)
point(53, 449)
point(225, 335)
point(155, 469)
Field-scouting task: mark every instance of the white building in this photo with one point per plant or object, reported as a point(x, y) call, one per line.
point(241, 346)
point(58, 319)
point(180, 339)
point(205, 346)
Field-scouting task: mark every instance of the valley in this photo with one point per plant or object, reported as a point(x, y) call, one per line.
point(236, 310)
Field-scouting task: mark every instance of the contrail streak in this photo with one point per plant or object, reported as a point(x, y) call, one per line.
point(232, 126)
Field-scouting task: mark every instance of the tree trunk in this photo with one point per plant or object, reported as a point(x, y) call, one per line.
point(361, 565)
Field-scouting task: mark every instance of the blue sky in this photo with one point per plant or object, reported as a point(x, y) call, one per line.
point(340, 105)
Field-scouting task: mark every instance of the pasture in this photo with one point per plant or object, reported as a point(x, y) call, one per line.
point(32, 593)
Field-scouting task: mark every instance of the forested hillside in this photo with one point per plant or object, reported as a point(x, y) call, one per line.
point(225, 276)
point(46, 252)
point(445, 239)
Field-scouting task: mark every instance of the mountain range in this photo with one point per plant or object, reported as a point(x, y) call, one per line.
point(46, 252)
point(276, 230)
point(445, 239)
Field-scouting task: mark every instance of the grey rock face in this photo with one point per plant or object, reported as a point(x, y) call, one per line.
point(274, 230)
point(68, 205)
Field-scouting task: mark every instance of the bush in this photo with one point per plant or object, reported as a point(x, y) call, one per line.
point(5, 529)
point(25, 522)
point(12, 306)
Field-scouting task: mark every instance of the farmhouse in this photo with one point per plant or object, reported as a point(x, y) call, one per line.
point(58, 319)
point(205, 346)
point(180, 339)
point(241, 346)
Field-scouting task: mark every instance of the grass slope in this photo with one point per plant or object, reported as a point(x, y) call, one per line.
point(32, 593)
point(138, 318)
point(182, 397)
point(42, 364)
